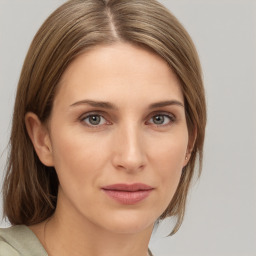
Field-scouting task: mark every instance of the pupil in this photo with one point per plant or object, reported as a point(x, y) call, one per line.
point(94, 120)
point(158, 119)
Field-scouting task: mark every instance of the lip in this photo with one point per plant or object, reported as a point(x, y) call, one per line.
point(128, 193)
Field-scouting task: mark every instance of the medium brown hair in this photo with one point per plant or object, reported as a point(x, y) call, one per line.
point(30, 188)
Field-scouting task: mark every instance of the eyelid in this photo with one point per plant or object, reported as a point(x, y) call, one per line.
point(162, 112)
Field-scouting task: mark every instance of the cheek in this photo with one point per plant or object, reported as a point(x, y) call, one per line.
point(168, 159)
point(76, 159)
point(169, 151)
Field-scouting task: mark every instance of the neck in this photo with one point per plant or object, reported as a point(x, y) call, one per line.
point(66, 235)
point(77, 240)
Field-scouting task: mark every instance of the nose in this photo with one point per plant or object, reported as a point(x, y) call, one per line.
point(128, 149)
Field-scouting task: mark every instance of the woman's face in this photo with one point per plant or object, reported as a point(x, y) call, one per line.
point(118, 138)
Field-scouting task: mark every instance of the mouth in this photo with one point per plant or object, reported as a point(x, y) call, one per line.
point(128, 193)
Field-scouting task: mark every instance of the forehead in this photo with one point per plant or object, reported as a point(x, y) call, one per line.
point(119, 72)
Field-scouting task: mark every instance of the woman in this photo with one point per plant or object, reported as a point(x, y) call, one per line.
point(108, 123)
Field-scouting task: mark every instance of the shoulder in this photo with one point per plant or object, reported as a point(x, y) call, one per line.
point(20, 241)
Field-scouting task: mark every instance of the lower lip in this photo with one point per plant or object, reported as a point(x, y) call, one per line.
point(128, 197)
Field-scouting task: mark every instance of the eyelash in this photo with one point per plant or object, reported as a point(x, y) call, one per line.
point(171, 118)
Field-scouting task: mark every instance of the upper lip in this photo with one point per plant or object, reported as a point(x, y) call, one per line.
point(128, 187)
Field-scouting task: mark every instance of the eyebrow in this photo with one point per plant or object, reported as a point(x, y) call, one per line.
point(108, 105)
point(97, 104)
point(166, 103)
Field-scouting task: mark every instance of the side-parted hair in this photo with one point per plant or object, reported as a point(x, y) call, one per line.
point(30, 188)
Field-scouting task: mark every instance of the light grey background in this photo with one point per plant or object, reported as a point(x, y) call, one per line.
point(221, 212)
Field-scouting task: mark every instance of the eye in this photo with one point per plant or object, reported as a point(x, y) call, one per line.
point(94, 120)
point(162, 119)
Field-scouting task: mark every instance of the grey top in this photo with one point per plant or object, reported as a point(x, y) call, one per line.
point(20, 241)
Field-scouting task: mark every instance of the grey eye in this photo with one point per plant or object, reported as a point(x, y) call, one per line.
point(94, 120)
point(160, 119)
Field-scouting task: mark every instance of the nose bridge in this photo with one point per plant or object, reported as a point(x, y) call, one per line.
point(129, 151)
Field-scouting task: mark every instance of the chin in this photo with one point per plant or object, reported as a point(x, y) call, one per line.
point(129, 223)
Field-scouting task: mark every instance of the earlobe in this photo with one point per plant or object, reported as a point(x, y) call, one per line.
point(191, 144)
point(187, 157)
point(40, 138)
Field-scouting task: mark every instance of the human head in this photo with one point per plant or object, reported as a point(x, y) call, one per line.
point(71, 30)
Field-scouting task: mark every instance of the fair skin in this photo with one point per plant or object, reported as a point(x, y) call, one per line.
point(137, 135)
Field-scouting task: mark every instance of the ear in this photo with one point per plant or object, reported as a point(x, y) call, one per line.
point(190, 147)
point(40, 138)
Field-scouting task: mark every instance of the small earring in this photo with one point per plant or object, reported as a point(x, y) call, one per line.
point(186, 157)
